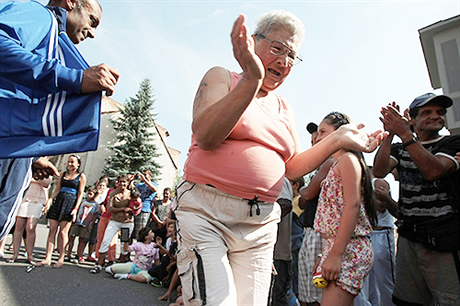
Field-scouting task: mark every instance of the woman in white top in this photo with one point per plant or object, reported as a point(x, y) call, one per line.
point(29, 212)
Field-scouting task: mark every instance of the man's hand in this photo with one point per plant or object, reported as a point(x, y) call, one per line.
point(99, 78)
point(396, 123)
point(42, 168)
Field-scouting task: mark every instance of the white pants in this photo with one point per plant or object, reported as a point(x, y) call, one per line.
point(225, 255)
point(112, 229)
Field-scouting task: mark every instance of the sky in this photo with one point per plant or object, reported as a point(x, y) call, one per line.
point(358, 55)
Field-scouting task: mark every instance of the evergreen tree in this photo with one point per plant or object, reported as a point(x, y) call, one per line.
point(134, 150)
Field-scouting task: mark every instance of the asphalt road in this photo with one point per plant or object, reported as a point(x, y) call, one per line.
point(70, 285)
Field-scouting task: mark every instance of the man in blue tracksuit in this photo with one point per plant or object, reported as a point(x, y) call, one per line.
point(49, 96)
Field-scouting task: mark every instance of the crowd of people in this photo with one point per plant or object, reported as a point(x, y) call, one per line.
point(244, 228)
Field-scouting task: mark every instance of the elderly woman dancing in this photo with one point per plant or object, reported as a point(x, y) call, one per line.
point(244, 142)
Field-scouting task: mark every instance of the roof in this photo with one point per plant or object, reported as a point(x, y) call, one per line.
point(111, 106)
point(426, 38)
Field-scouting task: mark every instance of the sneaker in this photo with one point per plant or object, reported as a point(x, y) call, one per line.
point(90, 259)
point(67, 259)
point(121, 276)
point(110, 263)
point(96, 270)
point(156, 283)
point(109, 270)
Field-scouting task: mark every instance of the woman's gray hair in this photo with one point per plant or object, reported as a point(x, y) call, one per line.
point(280, 20)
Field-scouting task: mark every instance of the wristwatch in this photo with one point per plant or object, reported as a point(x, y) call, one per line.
point(413, 140)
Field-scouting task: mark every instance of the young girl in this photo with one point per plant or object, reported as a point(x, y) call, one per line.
point(344, 218)
point(146, 254)
point(62, 208)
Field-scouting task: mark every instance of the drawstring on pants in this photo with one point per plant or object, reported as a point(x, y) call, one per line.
point(252, 203)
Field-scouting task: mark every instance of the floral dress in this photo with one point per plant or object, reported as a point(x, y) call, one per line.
point(358, 256)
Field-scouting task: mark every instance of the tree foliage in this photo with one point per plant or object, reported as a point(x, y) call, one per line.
point(134, 150)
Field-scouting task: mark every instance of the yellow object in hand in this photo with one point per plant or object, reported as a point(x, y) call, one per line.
point(319, 281)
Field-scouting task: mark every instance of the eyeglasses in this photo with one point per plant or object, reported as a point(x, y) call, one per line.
point(278, 48)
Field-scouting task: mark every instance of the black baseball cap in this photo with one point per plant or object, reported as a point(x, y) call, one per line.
point(422, 100)
point(312, 127)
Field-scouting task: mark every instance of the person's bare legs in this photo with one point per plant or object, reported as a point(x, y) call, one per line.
point(91, 249)
point(31, 227)
point(81, 247)
point(64, 239)
point(101, 259)
point(138, 278)
point(70, 246)
point(17, 237)
point(172, 285)
point(336, 296)
point(50, 243)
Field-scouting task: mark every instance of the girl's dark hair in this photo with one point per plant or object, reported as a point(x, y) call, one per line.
point(79, 161)
point(336, 120)
point(103, 178)
point(135, 193)
point(143, 233)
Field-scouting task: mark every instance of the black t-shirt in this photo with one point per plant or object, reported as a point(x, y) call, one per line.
point(420, 199)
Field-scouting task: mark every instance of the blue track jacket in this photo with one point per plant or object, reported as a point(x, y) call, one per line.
point(42, 111)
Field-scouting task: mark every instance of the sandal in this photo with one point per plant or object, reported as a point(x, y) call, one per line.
point(58, 265)
point(12, 260)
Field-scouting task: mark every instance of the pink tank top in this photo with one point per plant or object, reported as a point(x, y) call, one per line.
point(251, 161)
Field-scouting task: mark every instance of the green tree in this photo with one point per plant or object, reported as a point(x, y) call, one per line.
point(134, 150)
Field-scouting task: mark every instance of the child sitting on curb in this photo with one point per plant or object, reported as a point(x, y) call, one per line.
point(146, 254)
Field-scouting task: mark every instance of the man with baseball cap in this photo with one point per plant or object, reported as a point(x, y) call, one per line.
point(427, 264)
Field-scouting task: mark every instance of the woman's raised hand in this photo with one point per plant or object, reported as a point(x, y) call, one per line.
point(243, 50)
point(354, 139)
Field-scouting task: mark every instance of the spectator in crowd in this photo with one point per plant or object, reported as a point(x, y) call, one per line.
point(297, 233)
point(344, 218)
point(62, 208)
point(146, 254)
point(148, 190)
point(86, 218)
point(312, 243)
point(102, 190)
point(160, 212)
point(427, 262)
point(102, 226)
point(135, 203)
point(121, 219)
point(282, 257)
point(378, 286)
point(163, 273)
point(29, 212)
